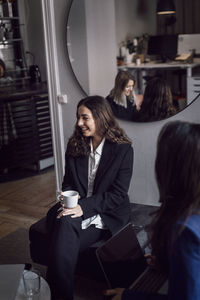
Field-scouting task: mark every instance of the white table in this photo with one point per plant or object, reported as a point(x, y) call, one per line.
point(12, 287)
point(44, 294)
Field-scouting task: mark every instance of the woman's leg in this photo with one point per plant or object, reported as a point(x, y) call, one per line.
point(63, 253)
point(92, 235)
point(67, 239)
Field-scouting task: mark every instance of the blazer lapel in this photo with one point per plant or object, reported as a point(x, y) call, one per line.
point(82, 171)
point(107, 157)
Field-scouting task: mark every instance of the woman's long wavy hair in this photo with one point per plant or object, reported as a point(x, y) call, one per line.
point(121, 81)
point(157, 102)
point(177, 170)
point(106, 125)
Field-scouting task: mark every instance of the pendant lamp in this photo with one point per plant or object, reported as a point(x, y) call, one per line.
point(165, 7)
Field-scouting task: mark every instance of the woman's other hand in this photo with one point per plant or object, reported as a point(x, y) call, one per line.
point(151, 260)
point(74, 212)
point(116, 293)
point(139, 100)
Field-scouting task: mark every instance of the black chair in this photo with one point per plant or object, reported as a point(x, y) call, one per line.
point(39, 242)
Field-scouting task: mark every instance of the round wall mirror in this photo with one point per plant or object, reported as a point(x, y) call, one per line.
point(105, 38)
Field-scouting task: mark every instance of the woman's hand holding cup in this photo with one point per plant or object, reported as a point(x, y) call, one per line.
point(69, 202)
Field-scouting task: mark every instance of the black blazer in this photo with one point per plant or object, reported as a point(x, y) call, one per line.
point(130, 113)
point(110, 198)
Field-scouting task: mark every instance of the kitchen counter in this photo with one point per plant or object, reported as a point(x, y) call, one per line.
point(12, 93)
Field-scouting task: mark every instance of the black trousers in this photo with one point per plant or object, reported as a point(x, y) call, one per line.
point(67, 240)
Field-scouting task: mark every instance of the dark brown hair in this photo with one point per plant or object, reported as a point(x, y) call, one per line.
point(157, 103)
point(121, 80)
point(177, 169)
point(106, 125)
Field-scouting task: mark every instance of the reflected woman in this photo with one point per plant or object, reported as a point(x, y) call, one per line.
point(157, 102)
point(122, 98)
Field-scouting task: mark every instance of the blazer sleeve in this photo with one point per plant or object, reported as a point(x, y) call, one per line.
point(184, 276)
point(184, 261)
point(111, 196)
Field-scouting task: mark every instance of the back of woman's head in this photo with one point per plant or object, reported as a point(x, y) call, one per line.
point(158, 102)
point(178, 166)
point(177, 169)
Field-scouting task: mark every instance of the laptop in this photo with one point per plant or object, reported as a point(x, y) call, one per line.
point(122, 261)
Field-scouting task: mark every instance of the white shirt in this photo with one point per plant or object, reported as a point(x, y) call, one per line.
point(93, 163)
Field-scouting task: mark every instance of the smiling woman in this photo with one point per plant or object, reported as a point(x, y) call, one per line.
point(122, 97)
point(99, 162)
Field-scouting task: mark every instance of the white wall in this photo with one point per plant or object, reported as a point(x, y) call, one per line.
point(93, 44)
point(100, 28)
point(144, 135)
point(76, 39)
point(134, 18)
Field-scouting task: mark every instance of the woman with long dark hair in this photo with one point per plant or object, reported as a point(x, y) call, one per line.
point(157, 102)
point(99, 161)
point(175, 230)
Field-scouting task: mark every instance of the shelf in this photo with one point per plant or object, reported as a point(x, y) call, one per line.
point(17, 70)
point(8, 18)
point(21, 78)
point(6, 42)
point(12, 47)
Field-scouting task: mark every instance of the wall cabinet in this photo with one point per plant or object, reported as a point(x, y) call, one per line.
point(25, 130)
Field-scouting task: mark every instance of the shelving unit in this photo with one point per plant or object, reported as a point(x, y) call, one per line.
point(12, 51)
point(25, 130)
point(25, 127)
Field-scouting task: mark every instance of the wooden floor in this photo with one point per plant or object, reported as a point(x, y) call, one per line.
point(25, 201)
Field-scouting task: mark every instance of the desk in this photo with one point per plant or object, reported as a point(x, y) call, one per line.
point(143, 68)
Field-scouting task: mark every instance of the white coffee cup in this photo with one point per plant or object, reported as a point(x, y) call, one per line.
point(70, 198)
point(31, 283)
point(138, 61)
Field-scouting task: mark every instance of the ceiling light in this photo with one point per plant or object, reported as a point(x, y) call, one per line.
point(165, 7)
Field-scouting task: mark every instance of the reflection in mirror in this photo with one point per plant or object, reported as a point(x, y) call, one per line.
point(122, 97)
point(156, 104)
point(96, 56)
point(2, 68)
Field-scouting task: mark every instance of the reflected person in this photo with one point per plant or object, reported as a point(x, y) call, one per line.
point(98, 165)
point(122, 97)
point(157, 102)
point(175, 229)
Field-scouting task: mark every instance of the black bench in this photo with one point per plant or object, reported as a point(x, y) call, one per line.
point(38, 242)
